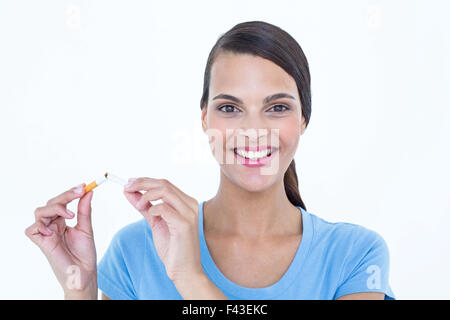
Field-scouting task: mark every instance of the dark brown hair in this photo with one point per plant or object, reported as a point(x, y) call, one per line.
point(270, 42)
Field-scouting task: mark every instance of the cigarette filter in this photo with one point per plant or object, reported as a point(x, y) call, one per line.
point(95, 183)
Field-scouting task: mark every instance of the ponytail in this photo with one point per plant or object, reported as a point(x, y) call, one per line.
point(291, 186)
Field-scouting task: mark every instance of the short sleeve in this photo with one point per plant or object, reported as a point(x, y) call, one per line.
point(366, 267)
point(114, 276)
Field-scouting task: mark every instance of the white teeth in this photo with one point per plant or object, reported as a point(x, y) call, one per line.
point(253, 154)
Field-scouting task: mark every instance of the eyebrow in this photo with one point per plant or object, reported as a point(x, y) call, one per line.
point(266, 100)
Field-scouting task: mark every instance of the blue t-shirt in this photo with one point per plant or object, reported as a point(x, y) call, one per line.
point(332, 260)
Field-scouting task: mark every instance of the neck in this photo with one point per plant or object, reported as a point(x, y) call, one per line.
point(255, 215)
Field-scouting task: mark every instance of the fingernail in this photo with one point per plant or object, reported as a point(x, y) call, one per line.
point(70, 213)
point(78, 189)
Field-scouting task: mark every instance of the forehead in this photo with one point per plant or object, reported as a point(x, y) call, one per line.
point(243, 74)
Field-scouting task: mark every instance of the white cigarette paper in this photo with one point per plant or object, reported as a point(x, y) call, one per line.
point(113, 178)
point(100, 180)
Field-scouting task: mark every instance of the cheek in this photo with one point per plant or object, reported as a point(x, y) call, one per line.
point(217, 132)
point(220, 127)
point(289, 135)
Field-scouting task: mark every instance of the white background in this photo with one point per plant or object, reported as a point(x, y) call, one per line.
point(90, 86)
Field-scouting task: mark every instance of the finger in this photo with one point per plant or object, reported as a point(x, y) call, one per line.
point(84, 221)
point(39, 227)
point(168, 195)
point(37, 231)
point(146, 184)
point(49, 212)
point(143, 183)
point(174, 220)
point(133, 198)
point(191, 202)
point(69, 195)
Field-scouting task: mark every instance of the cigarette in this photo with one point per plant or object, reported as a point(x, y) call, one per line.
point(113, 178)
point(96, 183)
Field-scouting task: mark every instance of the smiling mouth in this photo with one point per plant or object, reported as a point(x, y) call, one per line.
point(254, 155)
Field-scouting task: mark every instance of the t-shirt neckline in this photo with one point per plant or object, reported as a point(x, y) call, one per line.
point(268, 292)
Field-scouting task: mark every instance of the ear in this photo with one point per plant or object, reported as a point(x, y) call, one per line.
point(303, 125)
point(203, 119)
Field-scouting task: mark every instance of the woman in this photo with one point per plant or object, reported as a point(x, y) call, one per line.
point(254, 239)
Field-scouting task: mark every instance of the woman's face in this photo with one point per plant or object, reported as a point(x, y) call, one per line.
point(238, 111)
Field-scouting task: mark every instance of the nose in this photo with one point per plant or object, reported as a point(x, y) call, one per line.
point(253, 129)
point(253, 120)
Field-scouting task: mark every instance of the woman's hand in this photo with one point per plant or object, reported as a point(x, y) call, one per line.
point(70, 251)
point(174, 224)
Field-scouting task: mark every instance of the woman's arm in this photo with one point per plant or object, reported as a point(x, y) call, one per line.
point(363, 296)
point(199, 287)
point(105, 297)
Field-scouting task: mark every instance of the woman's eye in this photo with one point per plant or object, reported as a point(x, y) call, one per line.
point(227, 108)
point(278, 108)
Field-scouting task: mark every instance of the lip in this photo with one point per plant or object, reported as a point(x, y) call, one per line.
point(257, 148)
point(254, 163)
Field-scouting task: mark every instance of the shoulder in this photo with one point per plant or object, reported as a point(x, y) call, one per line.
point(352, 236)
point(359, 257)
point(348, 245)
point(352, 248)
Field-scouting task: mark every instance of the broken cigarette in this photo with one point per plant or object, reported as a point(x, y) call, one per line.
point(96, 183)
point(107, 176)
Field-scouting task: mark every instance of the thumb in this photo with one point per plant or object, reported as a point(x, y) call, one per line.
point(84, 222)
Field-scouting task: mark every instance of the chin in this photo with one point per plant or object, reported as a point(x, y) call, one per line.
point(250, 181)
point(255, 187)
